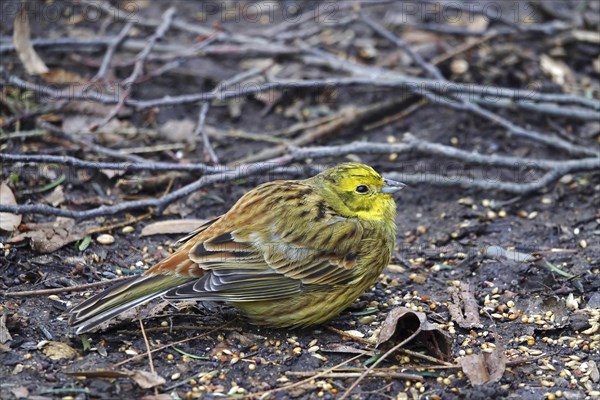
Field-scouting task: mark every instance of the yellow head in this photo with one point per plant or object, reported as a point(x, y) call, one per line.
point(357, 190)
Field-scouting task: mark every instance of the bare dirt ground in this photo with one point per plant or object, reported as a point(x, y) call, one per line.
point(512, 245)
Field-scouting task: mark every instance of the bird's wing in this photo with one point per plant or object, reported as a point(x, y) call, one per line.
point(274, 262)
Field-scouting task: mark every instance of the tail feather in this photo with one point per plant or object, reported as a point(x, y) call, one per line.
point(121, 297)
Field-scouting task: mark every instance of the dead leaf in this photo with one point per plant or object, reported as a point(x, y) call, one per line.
point(147, 380)
point(467, 314)
point(178, 131)
point(144, 379)
point(8, 222)
point(344, 348)
point(485, 367)
point(559, 71)
point(51, 236)
point(4, 333)
point(22, 40)
point(172, 226)
point(540, 305)
point(20, 392)
point(56, 197)
point(162, 396)
point(57, 350)
point(402, 322)
point(59, 75)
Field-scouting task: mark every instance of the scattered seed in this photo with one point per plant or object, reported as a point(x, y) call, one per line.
point(128, 229)
point(367, 319)
point(105, 239)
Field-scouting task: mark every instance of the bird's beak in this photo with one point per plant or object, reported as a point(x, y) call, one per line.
point(390, 186)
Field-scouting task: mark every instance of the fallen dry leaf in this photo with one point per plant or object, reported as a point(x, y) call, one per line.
point(559, 72)
point(464, 309)
point(59, 75)
point(402, 322)
point(51, 236)
point(172, 226)
point(22, 40)
point(20, 392)
point(485, 367)
point(4, 333)
point(8, 222)
point(178, 131)
point(144, 379)
point(56, 197)
point(344, 348)
point(161, 396)
point(540, 305)
point(57, 350)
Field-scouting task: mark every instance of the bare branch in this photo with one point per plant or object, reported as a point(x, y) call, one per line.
point(138, 68)
point(110, 51)
point(159, 204)
point(125, 166)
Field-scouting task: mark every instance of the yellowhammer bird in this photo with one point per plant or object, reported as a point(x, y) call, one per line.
point(287, 254)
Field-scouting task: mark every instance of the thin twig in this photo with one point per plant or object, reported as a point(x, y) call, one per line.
point(374, 374)
point(201, 131)
point(427, 66)
point(465, 104)
point(159, 204)
point(365, 76)
point(110, 51)
point(70, 289)
point(148, 350)
point(556, 169)
point(99, 165)
point(96, 148)
point(138, 68)
point(166, 346)
point(304, 381)
point(201, 124)
point(377, 362)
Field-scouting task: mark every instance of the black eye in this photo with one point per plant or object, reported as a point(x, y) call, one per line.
point(362, 189)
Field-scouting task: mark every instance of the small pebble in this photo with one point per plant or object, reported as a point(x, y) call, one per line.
point(582, 244)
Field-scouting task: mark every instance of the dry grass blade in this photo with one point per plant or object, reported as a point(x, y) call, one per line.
point(22, 40)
